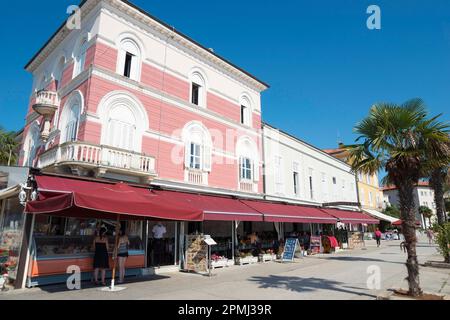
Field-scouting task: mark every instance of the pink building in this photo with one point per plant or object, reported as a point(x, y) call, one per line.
point(128, 98)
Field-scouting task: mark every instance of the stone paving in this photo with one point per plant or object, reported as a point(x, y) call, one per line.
point(341, 276)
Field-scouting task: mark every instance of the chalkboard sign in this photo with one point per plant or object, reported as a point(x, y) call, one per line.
point(290, 248)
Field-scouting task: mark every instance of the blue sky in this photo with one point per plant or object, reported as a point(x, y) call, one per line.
point(324, 66)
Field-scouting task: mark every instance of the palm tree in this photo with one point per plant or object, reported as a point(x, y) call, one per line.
point(8, 147)
point(400, 138)
point(438, 178)
point(426, 212)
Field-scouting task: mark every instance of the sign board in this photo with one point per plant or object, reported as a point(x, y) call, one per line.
point(315, 245)
point(290, 248)
point(210, 241)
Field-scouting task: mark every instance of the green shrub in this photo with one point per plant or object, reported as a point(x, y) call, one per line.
point(442, 236)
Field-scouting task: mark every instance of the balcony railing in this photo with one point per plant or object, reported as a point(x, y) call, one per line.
point(47, 98)
point(97, 156)
point(246, 186)
point(196, 177)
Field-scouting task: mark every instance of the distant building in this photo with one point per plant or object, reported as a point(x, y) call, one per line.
point(369, 193)
point(423, 196)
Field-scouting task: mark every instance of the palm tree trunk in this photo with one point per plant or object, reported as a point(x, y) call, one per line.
point(437, 183)
point(406, 194)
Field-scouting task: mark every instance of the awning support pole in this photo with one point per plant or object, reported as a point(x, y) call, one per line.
point(115, 253)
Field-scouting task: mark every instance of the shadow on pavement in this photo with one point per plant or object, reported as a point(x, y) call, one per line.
point(85, 285)
point(360, 259)
point(303, 285)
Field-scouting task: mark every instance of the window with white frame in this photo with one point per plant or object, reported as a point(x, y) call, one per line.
point(195, 156)
point(370, 199)
point(296, 176)
point(129, 59)
point(198, 152)
point(121, 128)
point(246, 152)
point(246, 112)
point(198, 90)
point(363, 197)
point(246, 171)
point(31, 145)
point(80, 57)
point(70, 118)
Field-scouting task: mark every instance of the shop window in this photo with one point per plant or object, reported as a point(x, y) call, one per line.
point(195, 227)
point(248, 228)
point(11, 233)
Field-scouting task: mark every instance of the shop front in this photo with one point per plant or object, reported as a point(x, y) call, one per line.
point(69, 213)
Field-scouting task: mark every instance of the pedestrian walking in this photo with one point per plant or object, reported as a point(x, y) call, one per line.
point(378, 237)
point(430, 236)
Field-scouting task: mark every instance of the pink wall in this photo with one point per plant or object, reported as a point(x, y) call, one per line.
point(163, 117)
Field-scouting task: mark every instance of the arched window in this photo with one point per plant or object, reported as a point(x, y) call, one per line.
point(129, 59)
point(198, 89)
point(121, 127)
point(80, 57)
point(246, 111)
point(70, 118)
point(198, 152)
point(31, 145)
point(247, 154)
point(58, 72)
point(124, 121)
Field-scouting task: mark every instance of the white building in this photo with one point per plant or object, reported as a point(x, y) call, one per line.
point(423, 196)
point(298, 172)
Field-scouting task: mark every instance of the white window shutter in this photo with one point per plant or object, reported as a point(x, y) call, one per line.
point(121, 62)
point(256, 171)
point(187, 155)
point(207, 158)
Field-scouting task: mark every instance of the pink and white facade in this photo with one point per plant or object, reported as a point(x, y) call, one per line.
point(137, 101)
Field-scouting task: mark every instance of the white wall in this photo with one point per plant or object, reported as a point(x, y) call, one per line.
point(308, 157)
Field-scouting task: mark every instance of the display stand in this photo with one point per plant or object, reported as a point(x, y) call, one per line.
point(210, 242)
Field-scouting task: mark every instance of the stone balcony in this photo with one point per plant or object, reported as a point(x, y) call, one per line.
point(84, 158)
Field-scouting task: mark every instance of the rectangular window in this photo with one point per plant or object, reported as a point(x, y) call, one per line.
point(311, 186)
point(128, 64)
point(296, 184)
point(195, 94)
point(370, 199)
point(246, 169)
point(195, 162)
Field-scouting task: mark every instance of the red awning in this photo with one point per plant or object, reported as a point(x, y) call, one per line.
point(278, 212)
point(81, 199)
point(400, 222)
point(216, 208)
point(353, 217)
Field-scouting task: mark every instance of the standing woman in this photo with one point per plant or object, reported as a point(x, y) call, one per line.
point(101, 257)
point(122, 253)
